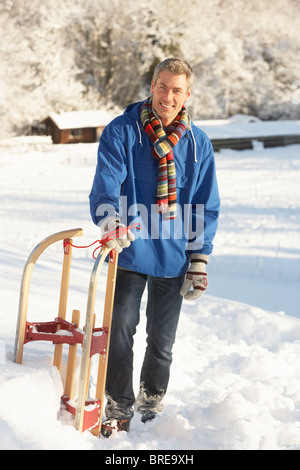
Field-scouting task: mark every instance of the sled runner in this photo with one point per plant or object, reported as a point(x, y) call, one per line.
point(88, 413)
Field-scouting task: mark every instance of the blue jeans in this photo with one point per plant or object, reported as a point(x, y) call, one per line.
point(162, 312)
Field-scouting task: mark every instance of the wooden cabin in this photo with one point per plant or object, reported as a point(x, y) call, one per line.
point(77, 126)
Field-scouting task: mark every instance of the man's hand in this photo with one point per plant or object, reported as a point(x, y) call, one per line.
point(112, 224)
point(196, 278)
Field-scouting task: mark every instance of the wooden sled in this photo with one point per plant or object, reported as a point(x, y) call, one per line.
point(88, 413)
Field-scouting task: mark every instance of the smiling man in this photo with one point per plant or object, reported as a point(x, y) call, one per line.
point(153, 156)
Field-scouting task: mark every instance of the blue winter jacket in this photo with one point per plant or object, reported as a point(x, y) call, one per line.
point(125, 183)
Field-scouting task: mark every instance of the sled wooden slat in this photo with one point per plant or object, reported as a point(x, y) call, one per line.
point(107, 319)
point(71, 360)
point(62, 309)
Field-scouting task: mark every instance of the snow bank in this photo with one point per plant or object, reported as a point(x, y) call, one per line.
point(239, 126)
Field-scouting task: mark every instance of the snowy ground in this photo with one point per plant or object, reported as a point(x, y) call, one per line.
point(235, 380)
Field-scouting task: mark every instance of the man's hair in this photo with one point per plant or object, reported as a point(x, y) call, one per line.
point(176, 66)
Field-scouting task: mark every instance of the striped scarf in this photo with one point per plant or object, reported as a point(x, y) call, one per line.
point(163, 144)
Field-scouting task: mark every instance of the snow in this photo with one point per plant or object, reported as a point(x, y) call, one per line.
point(235, 381)
point(2, 352)
point(81, 119)
point(239, 126)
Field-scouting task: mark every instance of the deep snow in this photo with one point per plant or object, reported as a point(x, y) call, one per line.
point(235, 380)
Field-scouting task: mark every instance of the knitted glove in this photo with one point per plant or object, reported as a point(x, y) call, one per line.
point(123, 241)
point(196, 277)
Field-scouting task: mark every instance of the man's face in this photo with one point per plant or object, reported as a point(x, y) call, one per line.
point(170, 92)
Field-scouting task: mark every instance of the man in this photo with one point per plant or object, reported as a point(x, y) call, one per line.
point(156, 167)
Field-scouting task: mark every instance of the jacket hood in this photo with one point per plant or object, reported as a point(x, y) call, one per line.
point(133, 110)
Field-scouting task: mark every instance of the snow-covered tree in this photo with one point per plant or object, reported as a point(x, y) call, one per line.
point(85, 54)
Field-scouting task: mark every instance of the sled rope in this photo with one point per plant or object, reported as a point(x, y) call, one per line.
point(109, 236)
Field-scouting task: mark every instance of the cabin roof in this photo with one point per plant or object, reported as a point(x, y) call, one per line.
point(81, 119)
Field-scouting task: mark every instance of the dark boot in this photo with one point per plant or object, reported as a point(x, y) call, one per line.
point(113, 424)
